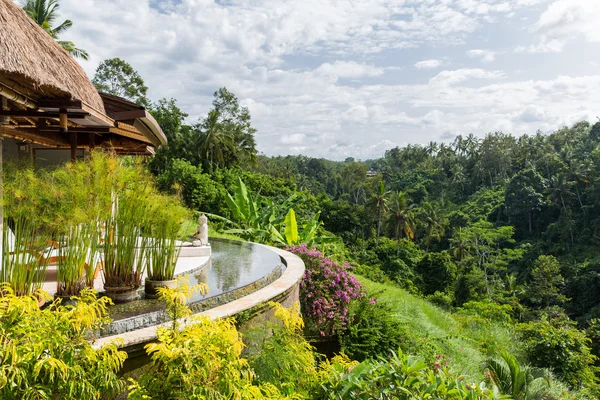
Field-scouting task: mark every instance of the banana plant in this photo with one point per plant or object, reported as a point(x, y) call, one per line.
point(252, 215)
point(293, 236)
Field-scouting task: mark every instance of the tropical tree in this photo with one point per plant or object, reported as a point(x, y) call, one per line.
point(117, 77)
point(488, 246)
point(214, 141)
point(292, 235)
point(225, 137)
point(253, 217)
point(560, 190)
point(400, 218)
point(379, 203)
point(45, 14)
point(430, 214)
point(546, 282)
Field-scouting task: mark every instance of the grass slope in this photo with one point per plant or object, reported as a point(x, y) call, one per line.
point(468, 342)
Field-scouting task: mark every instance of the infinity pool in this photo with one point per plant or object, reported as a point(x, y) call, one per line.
point(234, 269)
point(234, 265)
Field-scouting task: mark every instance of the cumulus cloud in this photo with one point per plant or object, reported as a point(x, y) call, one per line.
point(428, 64)
point(318, 75)
point(565, 20)
point(485, 56)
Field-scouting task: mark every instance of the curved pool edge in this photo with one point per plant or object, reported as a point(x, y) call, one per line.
point(284, 290)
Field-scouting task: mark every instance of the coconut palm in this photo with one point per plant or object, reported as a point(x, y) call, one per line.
point(214, 141)
point(379, 202)
point(44, 13)
point(560, 191)
point(435, 223)
point(400, 218)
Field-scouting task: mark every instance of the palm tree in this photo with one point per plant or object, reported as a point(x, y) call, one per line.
point(379, 201)
point(44, 13)
point(520, 383)
point(560, 190)
point(214, 141)
point(435, 223)
point(400, 218)
point(460, 244)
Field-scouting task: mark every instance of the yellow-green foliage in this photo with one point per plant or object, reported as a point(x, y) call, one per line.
point(202, 361)
point(280, 355)
point(45, 354)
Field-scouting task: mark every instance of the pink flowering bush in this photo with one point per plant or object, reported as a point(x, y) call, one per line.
point(326, 292)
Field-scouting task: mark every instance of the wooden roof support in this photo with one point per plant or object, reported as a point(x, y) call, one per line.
point(42, 114)
point(10, 94)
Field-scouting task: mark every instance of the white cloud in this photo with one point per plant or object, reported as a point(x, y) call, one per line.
point(460, 75)
point(349, 69)
point(565, 20)
point(317, 74)
point(428, 64)
point(485, 56)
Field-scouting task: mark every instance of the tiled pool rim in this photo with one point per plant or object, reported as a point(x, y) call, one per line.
point(287, 283)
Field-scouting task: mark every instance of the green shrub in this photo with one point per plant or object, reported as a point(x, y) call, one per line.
point(198, 190)
point(557, 344)
point(400, 377)
point(437, 272)
point(486, 309)
point(374, 330)
point(441, 299)
point(45, 354)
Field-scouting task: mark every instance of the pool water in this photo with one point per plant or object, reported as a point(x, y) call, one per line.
point(233, 265)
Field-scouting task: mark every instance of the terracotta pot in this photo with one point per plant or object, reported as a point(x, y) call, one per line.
point(152, 287)
point(122, 294)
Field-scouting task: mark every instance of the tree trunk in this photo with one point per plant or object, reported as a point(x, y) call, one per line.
point(579, 199)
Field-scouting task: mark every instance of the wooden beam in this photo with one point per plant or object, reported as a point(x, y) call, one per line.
point(32, 135)
point(7, 92)
point(42, 114)
point(77, 129)
point(73, 143)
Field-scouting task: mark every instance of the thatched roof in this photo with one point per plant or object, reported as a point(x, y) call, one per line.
point(33, 64)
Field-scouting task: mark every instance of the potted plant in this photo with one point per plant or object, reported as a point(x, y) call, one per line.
point(123, 248)
point(164, 221)
point(76, 261)
point(161, 259)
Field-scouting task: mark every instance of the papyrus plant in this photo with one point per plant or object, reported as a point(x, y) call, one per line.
point(164, 220)
point(24, 252)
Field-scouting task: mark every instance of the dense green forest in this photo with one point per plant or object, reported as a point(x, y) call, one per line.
point(513, 220)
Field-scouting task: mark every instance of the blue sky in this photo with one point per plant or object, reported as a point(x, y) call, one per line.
point(353, 78)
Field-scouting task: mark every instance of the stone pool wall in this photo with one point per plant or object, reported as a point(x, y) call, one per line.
point(250, 308)
point(157, 317)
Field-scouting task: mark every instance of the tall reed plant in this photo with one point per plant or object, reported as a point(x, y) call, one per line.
point(77, 259)
point(24, 256)
point(164, 221)
point(125, 247)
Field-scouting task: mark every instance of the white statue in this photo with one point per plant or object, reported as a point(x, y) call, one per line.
point(202, 232)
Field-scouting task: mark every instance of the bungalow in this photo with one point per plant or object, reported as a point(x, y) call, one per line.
point(50, 111)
